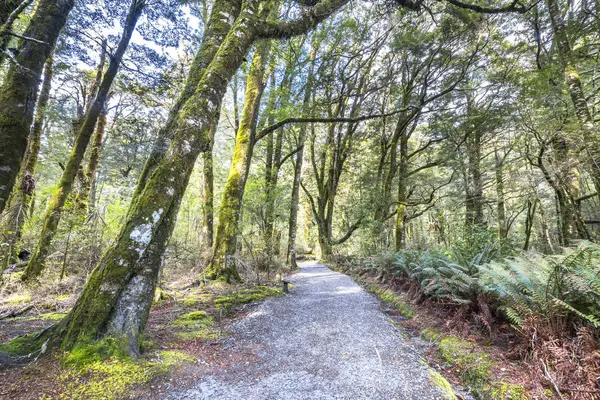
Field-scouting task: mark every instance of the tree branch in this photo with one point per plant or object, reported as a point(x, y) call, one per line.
point(308, 19)
point(515, 6)
point(264, 132)
point(351, 230)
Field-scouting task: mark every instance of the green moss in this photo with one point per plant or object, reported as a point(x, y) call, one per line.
point(22, 345)
point(18, 299)
point(113, 378)
point(245, 296)
point(474, 366)
point(51, 316)
point(205, 334)
point(194, 299)
point(430, 335)
point(390, 297)
point(446, 389)
point(190, 302)
point(194, 320)
point(197, 325)
point(475, 370)
point(507, 391)
point(98, 351)
point(62, 297)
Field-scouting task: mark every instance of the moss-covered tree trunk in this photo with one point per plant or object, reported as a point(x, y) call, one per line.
point(222, 17)
point(20, 201)
point(19, 90)
point(56, 204)
point(7, 7)
point(567, 189)
point(474, 200)
point(9, 13)
point(208, 194)
point(272, 164)
point(591, 142)
point(222, 265)
point(94, 161)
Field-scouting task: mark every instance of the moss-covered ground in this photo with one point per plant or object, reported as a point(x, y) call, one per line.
point(185, 332)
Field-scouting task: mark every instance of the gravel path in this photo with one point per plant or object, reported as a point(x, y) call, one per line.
point(328, 339)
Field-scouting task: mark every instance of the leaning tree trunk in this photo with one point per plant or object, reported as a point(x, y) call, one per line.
point(20, 200)
point(9, 12)
point(222, 16)
point(117, 297)
point(222, 265)
point(18, 93)
point(94, 161)
point(55, 207)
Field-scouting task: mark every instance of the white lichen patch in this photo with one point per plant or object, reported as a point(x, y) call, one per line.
point(5, 168)
point(142, 234)
point(156, 215)
point(170, 191)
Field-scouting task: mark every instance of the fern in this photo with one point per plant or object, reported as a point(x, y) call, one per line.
point(551, 287)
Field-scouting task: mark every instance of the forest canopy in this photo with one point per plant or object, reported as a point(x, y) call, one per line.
point(449, 145)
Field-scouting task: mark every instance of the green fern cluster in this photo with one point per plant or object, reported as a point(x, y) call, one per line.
point(557, 288)
point(453, 279)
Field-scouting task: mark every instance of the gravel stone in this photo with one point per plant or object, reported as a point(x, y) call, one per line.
point(327, 339)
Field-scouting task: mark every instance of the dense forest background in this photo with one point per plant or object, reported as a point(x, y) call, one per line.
point(447, 146)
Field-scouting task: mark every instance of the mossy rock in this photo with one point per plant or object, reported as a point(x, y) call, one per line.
point(245, 296)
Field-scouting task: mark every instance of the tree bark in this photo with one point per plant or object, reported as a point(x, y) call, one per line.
point(500, 203)
point(18, 93)
point(208, 194)
point(20, 201)
point(223, 264)
point(220, 22)
point(590, 142)
point(94, 161)
point(55, 207)
point(474, 190)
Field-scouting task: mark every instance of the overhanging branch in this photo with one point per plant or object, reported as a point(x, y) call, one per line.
point(264, 132)
point(515, 6)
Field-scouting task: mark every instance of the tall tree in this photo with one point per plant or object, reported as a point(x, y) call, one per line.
point(55, 207)
point(18, 93)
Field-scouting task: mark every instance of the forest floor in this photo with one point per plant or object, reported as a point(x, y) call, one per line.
point(328, 339)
